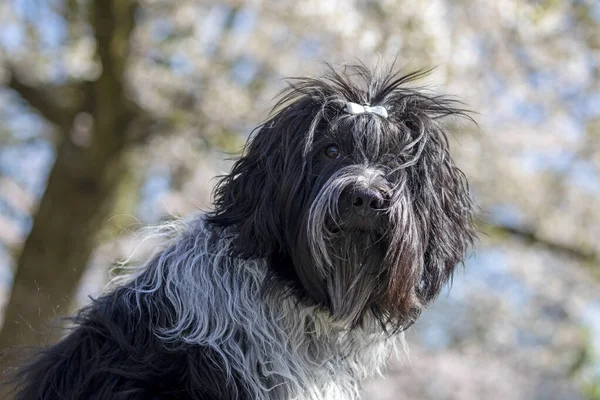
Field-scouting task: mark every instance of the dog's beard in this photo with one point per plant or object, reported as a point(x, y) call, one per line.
point(354, 274)
point(357, 266)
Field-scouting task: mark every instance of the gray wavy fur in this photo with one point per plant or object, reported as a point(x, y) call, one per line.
point(296, 352)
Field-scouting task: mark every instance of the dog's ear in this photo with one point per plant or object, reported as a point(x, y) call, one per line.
point(262, 191)
point(444, 205)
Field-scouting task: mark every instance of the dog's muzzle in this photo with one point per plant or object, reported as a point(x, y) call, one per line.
point(363, 201)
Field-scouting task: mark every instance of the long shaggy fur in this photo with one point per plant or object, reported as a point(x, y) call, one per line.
point(284, 291)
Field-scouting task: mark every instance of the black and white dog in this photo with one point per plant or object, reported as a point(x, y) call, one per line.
point(343, 219)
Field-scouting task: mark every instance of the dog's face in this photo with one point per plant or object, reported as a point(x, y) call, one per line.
point(358, 212)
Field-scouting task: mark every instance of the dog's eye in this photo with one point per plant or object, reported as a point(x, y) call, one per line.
point(332, 151)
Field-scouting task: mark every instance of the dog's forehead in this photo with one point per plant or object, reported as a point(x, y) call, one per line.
point(368, 134)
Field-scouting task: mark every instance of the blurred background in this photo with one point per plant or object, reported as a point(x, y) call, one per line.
point(116, 114)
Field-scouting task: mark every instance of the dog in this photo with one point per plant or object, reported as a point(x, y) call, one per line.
point(342, 220)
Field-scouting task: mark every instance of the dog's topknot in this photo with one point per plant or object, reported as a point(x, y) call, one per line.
point(326, 97)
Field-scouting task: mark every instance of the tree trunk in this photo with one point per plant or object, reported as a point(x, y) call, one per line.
point(82, 186)
point(78, 200)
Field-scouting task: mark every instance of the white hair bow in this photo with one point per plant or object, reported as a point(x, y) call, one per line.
point(353, 108)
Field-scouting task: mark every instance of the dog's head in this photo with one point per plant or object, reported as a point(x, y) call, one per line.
point(360, 209)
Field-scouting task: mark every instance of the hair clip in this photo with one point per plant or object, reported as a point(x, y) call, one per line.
point(353, 108)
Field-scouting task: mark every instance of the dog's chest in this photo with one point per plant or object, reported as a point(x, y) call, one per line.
point(327, 363)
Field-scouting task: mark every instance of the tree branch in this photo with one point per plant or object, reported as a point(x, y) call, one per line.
point(530, 236)
point(113, 22)
point(40, 101)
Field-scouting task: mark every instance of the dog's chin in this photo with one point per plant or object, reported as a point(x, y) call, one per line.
point(356, 252)
point(342, 266)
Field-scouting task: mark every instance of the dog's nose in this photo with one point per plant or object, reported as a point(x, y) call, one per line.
point(366, 201)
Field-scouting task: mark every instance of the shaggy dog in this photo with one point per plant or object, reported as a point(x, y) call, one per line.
point(343, 219)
